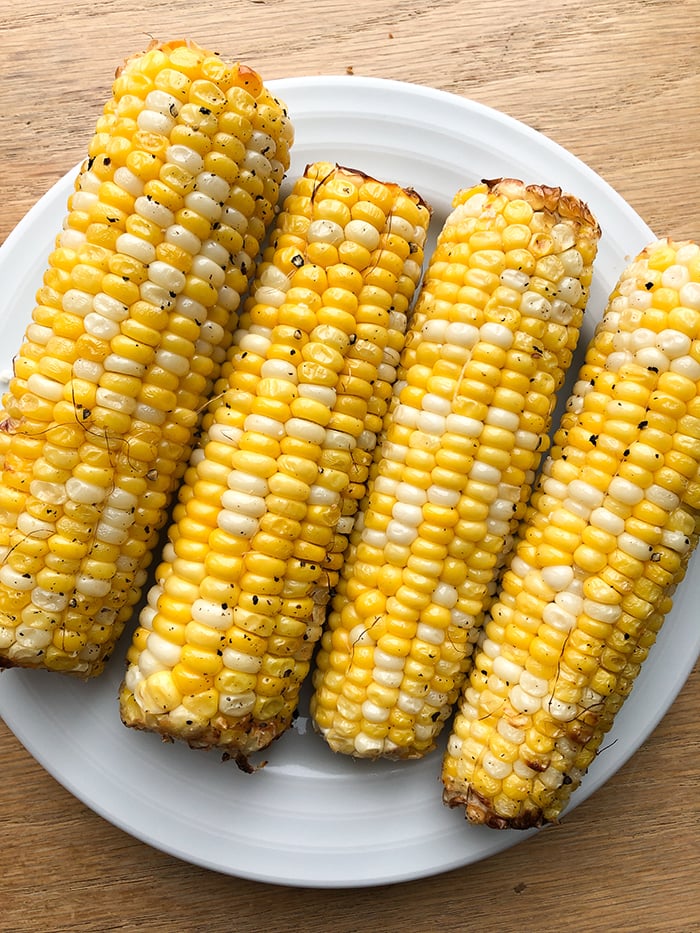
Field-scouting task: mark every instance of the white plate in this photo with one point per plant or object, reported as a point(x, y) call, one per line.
point(310, 818)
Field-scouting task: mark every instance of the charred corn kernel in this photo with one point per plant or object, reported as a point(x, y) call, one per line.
point(118, 373)
point(271, 495)
point(564, 686)
point(443, 498)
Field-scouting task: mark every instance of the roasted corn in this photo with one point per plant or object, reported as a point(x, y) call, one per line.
point(606, 540)
point(492, 336)
point(226, 639)
point(130, 327)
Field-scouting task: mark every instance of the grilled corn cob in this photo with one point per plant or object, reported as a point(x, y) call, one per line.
point(226, 639)
point(607, 539)
point(489, 344)
point(131, 325)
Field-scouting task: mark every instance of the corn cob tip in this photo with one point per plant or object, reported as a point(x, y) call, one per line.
point(157, 44)
point(163, 46)
point(240, 743)
point(238, 738)
point(249, 77)
point(540, 197)
point(324, 170)
point(479, 811)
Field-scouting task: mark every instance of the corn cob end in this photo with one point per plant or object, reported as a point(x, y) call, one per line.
point(479, 810)
point(541, 197)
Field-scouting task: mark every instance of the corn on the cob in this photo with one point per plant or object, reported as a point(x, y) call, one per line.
point(490, 340)
point(607, 538)
point(130, 328)
point(227, 637)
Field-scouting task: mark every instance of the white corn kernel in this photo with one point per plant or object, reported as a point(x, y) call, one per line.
point(675, 540)
point(536, 686)
point(408, 703)
point(92, 587)
point(243, 503)
point(374, 713)
point(33, 638)
point(506, 670)
point(239, 661)
point(387, 678)
point(445, 595)
point(603, 612)
point(164, 651)
point(607, 521)
point(652, 358)
point(400, 533)
point(262, 424)
point(101, 327)
point(624, 491)
point(368, 746)
point(634, 546)
point(128, 182)
point(242, 526)
point(436, 403)
point(569, 601)
point(386, 661)
point(522, 701)
point(325, 231)
point(213, 614)
point(135, 247)
point(510, 733)
point(190, 308)
point(585, 493)
point(411, 515)
point(237, 706)
point(558, 576)
point(214, 186)
point(556, 616)
point(440, 495)
point(562, 712)
point(44, 387)
point(497, 334)
point(202, 204)
point(306, 430)
point(500, 417)
point(149, 121)
point(495, 767)
point(153, 211)
point(462, 335)
point(430, 634)
point(205, 268)
point(460, 424)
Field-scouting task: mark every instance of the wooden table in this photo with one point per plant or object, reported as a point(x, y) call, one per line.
point(616, 84)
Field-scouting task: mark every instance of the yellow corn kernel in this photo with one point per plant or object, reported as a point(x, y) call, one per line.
point(188, 682)
point(203, 705)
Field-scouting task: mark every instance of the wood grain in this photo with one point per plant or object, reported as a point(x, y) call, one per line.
point(616, 84)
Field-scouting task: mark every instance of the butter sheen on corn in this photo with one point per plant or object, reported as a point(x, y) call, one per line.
point(130, 328)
